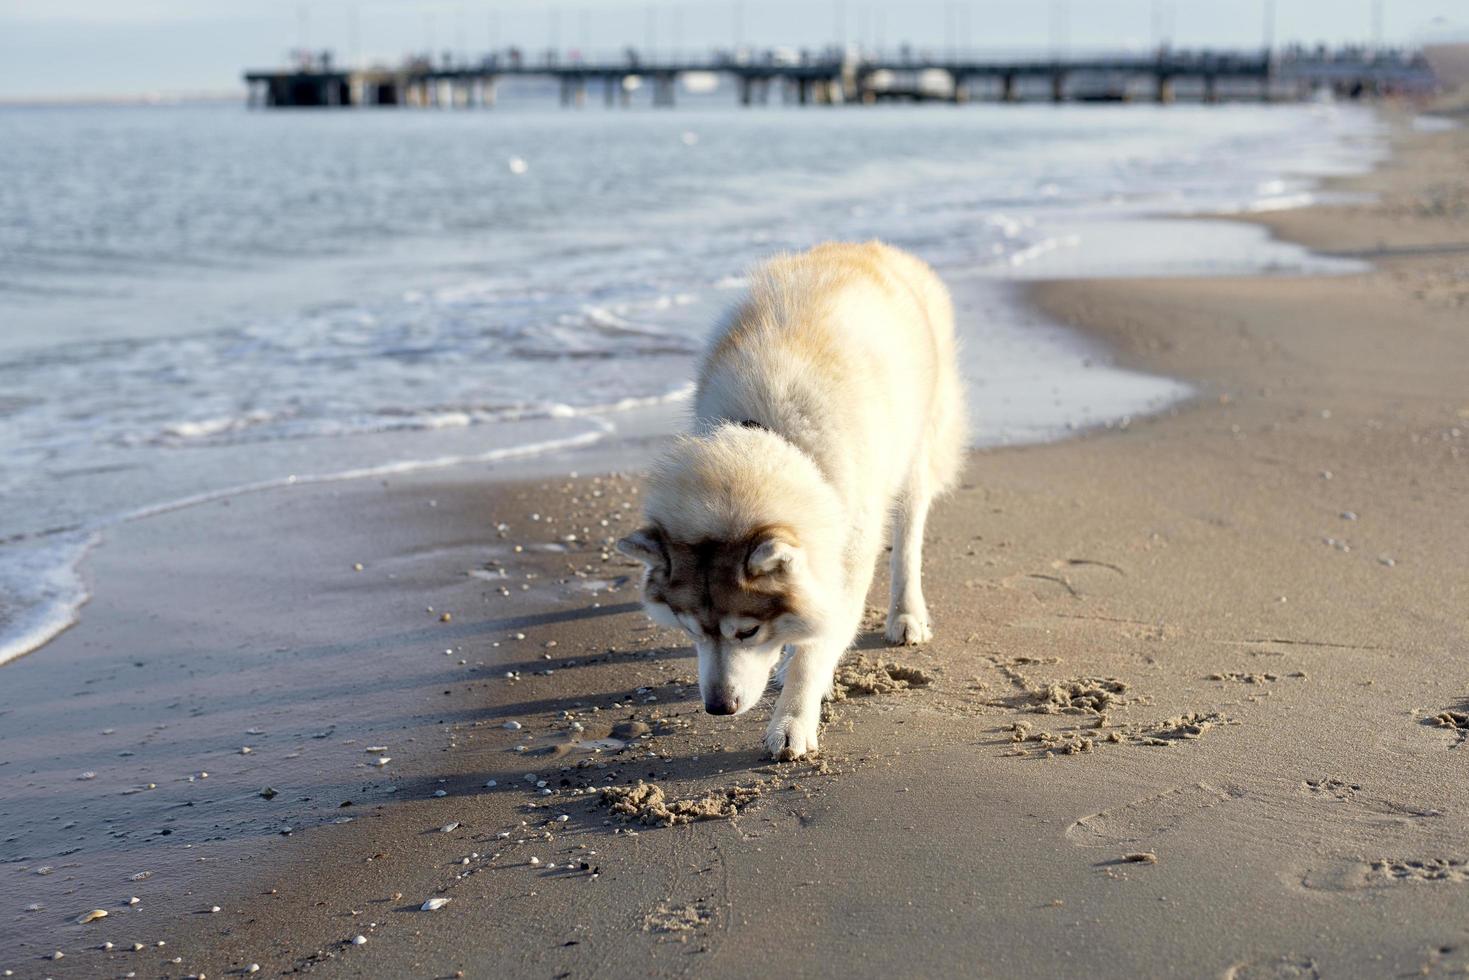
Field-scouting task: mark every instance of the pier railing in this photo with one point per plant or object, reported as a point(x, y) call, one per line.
point(833, 75)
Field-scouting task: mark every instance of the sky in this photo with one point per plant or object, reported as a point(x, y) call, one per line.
point(126, 48)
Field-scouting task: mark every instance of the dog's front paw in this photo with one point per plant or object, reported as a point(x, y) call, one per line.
point(908, 630)
point(791, 736)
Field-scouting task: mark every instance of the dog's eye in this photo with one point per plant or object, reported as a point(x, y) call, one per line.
point(746, 634)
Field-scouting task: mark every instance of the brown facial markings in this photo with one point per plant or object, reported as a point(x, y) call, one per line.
point(709, 581)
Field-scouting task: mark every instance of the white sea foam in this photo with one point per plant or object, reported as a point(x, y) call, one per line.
point(42, 585)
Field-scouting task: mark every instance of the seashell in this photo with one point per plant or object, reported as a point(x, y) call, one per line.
point(91, 916)
point(433, 905)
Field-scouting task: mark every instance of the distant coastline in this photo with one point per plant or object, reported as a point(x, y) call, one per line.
point(223, 96)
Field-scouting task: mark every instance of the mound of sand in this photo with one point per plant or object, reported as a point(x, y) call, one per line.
point(1180, 727)
point(648, 804)
point(1028, 741)
point(1080, 696)
point(682, 918)
point(860, 676)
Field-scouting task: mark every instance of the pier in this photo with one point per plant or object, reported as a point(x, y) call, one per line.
point(835, 77)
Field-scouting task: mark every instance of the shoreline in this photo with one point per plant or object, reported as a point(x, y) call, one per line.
point(611, 652)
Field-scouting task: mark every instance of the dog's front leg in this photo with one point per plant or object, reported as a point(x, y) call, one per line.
point(796, 721)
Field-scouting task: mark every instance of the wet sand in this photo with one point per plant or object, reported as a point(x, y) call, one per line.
point(1191, 709)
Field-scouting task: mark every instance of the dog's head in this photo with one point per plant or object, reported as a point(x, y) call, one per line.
point(740, 600)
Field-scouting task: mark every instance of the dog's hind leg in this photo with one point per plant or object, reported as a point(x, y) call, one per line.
point(907, 613)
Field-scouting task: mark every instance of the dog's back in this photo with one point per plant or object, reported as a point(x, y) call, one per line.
point(848, 351)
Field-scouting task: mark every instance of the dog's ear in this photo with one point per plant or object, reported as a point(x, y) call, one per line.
point(646, 545)
point(771, 552)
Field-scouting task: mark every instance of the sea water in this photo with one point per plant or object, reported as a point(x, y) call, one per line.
point(196, 300)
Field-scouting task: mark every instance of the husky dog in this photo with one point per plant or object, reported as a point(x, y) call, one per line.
point(828, 400)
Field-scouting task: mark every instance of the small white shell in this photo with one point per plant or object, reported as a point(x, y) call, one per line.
point(381, 760)
point(449, 827)
point(513, 726)
point(433, 905)
point(91, 916)
point(358, 940)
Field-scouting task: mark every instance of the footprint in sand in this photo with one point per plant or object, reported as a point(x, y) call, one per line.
point(1354, 875)
point(1359, 841)
point(1150, 817)
point(1290, 966)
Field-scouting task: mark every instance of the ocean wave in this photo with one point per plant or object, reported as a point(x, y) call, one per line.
point(234, 430)
point(40, 575)
point(43, 590)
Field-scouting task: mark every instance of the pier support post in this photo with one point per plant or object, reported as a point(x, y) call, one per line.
point(803, 91)
point(610, 85)
point(1164, 89)
point(961, 88)
point(1058, 86)
point(1007, 88)
point(1211, 88)
point(745, 90)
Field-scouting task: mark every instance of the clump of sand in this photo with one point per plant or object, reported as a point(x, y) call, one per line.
point(1457, 720)
point(1245, 678)
point(684, 918)
point(1079, 696)
point(1029, 741)
point(1179, 728)
point(647, 803)
point(1050, 743)
point(1425, 869)
point(1072, 696)
point(860, 676)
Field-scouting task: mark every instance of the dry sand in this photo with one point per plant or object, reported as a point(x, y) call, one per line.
point(1194, 707)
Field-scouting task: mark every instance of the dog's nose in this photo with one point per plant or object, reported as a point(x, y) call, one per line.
point(721, 704)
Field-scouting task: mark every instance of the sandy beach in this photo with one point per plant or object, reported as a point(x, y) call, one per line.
point(1196, 705)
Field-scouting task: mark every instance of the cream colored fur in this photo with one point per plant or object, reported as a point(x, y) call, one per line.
point(843, 359)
